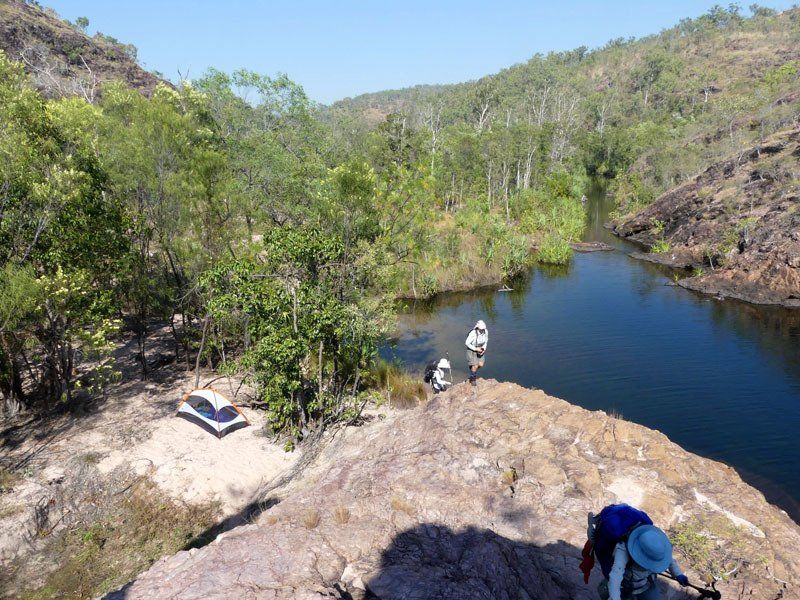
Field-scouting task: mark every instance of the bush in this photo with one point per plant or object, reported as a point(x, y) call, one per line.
point(554, 251)
point(516, 257)
point(660, 247)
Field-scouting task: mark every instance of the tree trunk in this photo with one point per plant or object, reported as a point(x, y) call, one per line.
point(200, 352)
point(321, 347)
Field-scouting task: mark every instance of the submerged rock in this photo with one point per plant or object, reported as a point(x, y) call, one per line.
point(484, 494)
point(591, 247)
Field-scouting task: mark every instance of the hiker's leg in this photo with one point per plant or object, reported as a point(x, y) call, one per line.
point(472, 363)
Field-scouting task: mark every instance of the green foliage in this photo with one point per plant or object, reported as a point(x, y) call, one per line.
point(298, 298)
point(713, 546)
point(559, 216)
point(81, 23)
point(61, 244)
point(262, 225)
point(660, 247)
point(554, 251)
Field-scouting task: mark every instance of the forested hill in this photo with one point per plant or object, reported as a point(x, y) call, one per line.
point(61, 58)
point(656, 110)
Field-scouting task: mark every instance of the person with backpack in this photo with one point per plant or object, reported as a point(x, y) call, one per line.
point(434, 374)
point(477, 341)
point(631, 552)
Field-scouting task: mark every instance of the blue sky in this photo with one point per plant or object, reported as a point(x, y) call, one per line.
point(340, 48)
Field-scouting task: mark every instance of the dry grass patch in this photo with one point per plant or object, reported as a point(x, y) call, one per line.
point(10, 510)
point(401, 505)
point(8, 479)
point(341, 515)
point(136, 530)
point(400, 389)
point(509, 476)
point(311, 518)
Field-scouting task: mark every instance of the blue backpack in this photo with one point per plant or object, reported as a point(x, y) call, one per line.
point(616, 522)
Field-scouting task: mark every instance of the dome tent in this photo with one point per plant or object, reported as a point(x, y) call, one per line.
point(212, 411)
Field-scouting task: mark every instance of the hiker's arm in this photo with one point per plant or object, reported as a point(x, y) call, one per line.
point(471, 339)
point(675, 569)
point(676, 572)
point(486, 343)
point(617, 572)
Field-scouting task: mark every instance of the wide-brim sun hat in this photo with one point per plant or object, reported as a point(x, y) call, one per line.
point(444, 364)
point(650, 548)
point(480, 325)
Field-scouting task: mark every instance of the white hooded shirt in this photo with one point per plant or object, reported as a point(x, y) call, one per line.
point(477, 339)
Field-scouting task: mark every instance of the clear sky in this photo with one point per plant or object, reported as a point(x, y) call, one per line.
point(340, 48)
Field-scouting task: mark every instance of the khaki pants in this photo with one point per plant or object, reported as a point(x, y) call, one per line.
point(474, 359)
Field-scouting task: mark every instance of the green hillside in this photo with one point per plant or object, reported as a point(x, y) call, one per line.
point(649, 112)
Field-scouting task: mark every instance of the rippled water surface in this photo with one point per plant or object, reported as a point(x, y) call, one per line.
point(608, 332)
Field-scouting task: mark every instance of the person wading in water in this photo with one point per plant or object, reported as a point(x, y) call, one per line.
point(477, 340)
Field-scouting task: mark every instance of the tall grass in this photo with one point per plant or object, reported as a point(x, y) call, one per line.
point(399, 388)
point(554, 251)
point(477, 246)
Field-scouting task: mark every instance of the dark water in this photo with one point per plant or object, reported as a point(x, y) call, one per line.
point(720, 378)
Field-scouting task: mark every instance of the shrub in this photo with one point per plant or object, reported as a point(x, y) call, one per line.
point(516, 257)
point(554, 251)
point(712, 546)
point(660, 247)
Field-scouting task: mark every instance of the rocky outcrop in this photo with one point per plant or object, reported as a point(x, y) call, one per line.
point(736, 225)
point(63, 61)
point(483, 494)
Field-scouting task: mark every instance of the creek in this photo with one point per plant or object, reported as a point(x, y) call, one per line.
point(609, 332)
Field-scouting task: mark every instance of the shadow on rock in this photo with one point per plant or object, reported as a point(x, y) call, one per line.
point(431, 561)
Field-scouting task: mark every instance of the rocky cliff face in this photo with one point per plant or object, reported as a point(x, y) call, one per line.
point(63, 61)
point(737, 225)
point(484, 494)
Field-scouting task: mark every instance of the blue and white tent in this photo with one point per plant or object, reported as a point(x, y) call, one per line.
point(212, 411)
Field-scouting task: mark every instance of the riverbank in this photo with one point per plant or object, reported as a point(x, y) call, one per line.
point(483, 493)
point(734, 228)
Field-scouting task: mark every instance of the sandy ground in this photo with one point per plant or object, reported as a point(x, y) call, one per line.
point(134, 430)
point(189, 463)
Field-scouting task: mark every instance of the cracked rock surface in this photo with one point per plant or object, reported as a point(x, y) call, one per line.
point(482, 494)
